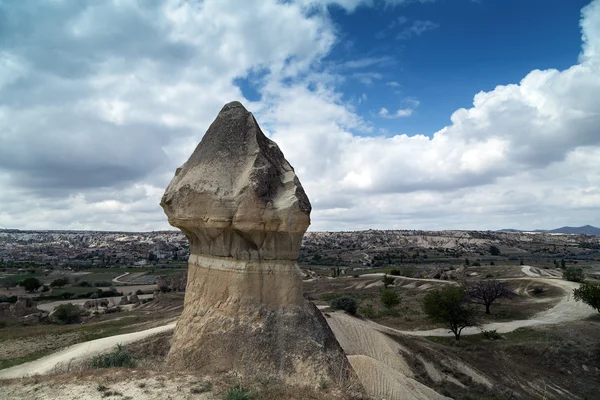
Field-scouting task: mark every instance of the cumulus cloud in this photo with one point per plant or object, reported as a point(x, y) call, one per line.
point(400, 113)
point(100, 102)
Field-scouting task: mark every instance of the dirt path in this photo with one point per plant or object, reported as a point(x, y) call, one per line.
point(566, 310)
point(116, 279)
point(78, 352)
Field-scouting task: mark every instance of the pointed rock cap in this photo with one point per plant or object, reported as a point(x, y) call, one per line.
point(237, 196)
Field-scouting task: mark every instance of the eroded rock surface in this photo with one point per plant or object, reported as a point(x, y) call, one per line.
point(244, 212)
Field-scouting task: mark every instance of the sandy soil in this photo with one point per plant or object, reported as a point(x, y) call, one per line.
point(159, 388)
point(377, 360)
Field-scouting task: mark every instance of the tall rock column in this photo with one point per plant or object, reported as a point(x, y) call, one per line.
point(244, 212)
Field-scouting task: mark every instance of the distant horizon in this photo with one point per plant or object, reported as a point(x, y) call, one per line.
point(540, 230)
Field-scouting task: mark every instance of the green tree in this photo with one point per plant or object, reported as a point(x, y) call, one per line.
point(389, 298)
point(573, 274)
point(494, 250)
point(563, 264)
point(467, 262)
point(60, 282)
point(450, 306)
point(31, 284)
point(588, 294)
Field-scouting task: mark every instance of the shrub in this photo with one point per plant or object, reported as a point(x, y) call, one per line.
point(121, 357)
point(238, 392)
point(538, 290)
point(323, 383)
point(139, 291)
point(60, 282)
point(368, 311)
point(84, 284)
point(389, 298)
point(476, 264)
point(491, 335)
point(164, 289)
point(347, 304)
point(67, 313)
point(387, 280)
point(395, 272)
point(102, 283)
point(45, 288)
point(3, 324)
point(202, 387)
point(573, 274)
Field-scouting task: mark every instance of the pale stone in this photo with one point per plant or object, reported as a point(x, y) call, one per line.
point(244, 212)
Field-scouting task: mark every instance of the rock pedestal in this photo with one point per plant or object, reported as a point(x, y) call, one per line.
point(244, 212)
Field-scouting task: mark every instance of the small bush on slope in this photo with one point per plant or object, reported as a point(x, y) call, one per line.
point(118, 358)
point(347, 304)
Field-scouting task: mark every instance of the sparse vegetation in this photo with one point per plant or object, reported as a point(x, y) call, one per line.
point(491, 335)
point(389, 298)
point(201, 387)
point(67, 314)
point(347, 304)
point(323, 383)
point(588, 294)
point(121, 357)
point(573, 274)
point(238, 392)
point(368, 311)
point(60, 282)
point(387, 280)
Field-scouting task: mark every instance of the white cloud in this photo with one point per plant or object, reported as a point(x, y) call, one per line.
point(400, 113)
point(97, 125)
point(417, 28)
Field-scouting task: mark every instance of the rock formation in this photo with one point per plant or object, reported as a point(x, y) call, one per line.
point(244, 212)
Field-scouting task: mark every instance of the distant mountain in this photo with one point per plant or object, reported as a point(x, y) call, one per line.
point(568, 230)
point(579, 230)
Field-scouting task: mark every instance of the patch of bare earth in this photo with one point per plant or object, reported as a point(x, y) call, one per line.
point(153, 379)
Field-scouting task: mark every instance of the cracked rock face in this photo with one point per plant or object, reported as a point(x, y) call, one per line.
point(244, 212)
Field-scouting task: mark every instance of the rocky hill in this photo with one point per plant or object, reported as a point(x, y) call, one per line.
point(110, 248)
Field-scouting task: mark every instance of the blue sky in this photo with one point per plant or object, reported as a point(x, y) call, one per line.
point(396, 114)
point(470, 47)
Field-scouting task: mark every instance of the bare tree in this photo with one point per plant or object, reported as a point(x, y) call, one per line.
point(486, 291)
